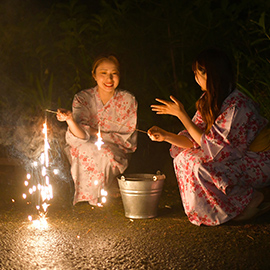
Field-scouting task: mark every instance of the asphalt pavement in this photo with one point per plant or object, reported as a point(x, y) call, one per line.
point(86, 237)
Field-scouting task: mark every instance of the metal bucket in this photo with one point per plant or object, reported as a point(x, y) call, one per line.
point(140, 194)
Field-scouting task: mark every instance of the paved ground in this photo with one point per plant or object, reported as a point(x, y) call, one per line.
point(82, 237)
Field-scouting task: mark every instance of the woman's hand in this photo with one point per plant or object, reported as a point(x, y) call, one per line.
point(174, 107)
point(157, 134)
point(74, 127)
point(63, 115)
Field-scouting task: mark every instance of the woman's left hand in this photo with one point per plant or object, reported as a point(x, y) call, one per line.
point(174, 107)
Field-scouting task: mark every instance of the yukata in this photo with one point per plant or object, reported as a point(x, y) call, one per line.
point(93, 170)
point(216, 180)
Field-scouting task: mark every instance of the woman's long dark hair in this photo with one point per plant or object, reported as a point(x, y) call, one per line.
point(220, 82)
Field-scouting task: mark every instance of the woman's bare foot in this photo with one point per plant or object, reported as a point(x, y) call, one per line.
point(257, 199)
point(252, 209)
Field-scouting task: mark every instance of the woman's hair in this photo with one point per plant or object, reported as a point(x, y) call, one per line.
point(219, 84)
point(100, 59)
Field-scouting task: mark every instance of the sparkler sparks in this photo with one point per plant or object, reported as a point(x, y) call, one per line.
point(39, 182)
point(104, 194)
point(99, 141)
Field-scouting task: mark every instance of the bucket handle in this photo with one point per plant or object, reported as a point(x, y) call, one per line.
point(156, 177)
point(159, 177)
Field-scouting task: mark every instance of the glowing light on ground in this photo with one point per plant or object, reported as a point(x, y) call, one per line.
point(40, 223)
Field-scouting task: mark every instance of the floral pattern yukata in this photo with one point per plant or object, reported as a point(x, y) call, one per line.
point(216, 179)
point(94, 169)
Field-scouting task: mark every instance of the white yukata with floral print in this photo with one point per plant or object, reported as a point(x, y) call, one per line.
point(216, 180)
point(93, 169)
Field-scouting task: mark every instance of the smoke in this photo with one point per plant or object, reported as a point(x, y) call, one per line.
point(22, 138)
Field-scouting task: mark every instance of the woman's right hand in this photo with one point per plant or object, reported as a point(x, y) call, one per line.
point(63, 115)
point(157, 134)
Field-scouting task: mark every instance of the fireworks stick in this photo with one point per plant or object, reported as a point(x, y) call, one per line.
point(47, 110)
point(139, 130)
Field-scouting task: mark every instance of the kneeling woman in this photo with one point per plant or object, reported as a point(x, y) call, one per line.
point(217, 172)
point(114, 113)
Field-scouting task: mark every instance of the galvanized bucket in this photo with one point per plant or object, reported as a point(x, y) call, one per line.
point(140, 194)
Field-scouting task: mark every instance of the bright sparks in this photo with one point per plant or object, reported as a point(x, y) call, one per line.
point(99, 141)
point(56, 171)
point(40, 183)
point(103, 193)
point(103, 198)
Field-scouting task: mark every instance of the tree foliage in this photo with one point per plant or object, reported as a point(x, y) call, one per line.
point(47, 49)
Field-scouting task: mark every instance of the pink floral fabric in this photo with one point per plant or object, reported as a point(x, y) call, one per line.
point(93, 169)
point(216, 181)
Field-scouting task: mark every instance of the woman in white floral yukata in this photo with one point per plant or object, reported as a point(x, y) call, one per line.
point(114, 112)
point(217, 169)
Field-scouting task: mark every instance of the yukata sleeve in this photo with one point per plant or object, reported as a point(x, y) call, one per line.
point(217, 144)
point(197, 120)
point(80, 113)
point(126, 135)
point(233, 131)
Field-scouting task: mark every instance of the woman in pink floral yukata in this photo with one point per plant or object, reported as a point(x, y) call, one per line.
point(114, 113)
point(218, 175)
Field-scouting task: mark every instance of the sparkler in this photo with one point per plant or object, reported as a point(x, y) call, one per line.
point(136, 129)
point(139, 130)
point(50, 111)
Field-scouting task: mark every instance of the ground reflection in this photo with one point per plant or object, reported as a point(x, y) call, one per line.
point(38, 246)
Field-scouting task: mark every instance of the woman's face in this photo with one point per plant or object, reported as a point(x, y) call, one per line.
point(107, 77)
point(201, 77)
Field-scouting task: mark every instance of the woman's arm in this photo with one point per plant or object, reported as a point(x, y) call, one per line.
point(194, 131)
point(160, 135)
point(74, 127)
point(176, 108)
